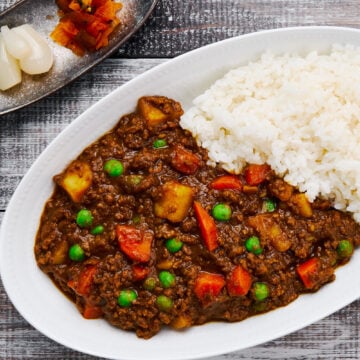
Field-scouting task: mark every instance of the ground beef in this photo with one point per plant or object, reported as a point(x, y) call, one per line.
point(214, 275)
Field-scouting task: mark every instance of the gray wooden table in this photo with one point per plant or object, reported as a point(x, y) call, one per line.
point(175, 27)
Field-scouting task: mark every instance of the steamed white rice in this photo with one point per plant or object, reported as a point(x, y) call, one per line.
point(301, 115)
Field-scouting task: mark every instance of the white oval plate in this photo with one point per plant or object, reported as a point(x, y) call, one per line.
point(44, 306)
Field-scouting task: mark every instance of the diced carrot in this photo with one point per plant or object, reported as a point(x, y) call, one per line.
point(207, 227)
point(134, 243)
point(239, 282)
point(308, 272)
point(256, 174)
point(86, 280)
point(184, 160)
point(208, 286)
point(140, 272)
point(226, 182)
point(92, 312)
point(82, 285)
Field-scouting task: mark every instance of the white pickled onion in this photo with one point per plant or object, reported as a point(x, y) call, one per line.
point(15, 44)
point(40, 59)
point(10, 73)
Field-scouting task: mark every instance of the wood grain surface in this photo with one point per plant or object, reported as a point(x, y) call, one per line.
point(175, 27)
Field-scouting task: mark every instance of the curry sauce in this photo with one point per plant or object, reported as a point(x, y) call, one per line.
point(142, 232)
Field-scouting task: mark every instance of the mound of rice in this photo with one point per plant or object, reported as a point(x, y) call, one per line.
point(301, 115)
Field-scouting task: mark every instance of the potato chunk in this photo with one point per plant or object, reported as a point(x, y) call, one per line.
point(270, 230)
point(174, 202)
point(60, 253)
point(158, 109)
point(153, 115)
point(181, 322)
point(301, 205)
point(76, 180)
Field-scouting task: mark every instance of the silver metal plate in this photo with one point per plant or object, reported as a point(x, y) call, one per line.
point(42, 15)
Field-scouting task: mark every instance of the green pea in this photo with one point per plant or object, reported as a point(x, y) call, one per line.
point(114, 168)
point(97, 230)
point(259, 306)
point(345, 248)
point(164, 303)
point(159, 143)
point(261, 291)
point(221, 212)
point(76, 253)
point(126, 297)
point(252, 245)
point(84, 218)
point(269, 205)
point(174, 245)
point(166, 279)
point(149, 283)
point(136, 219)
